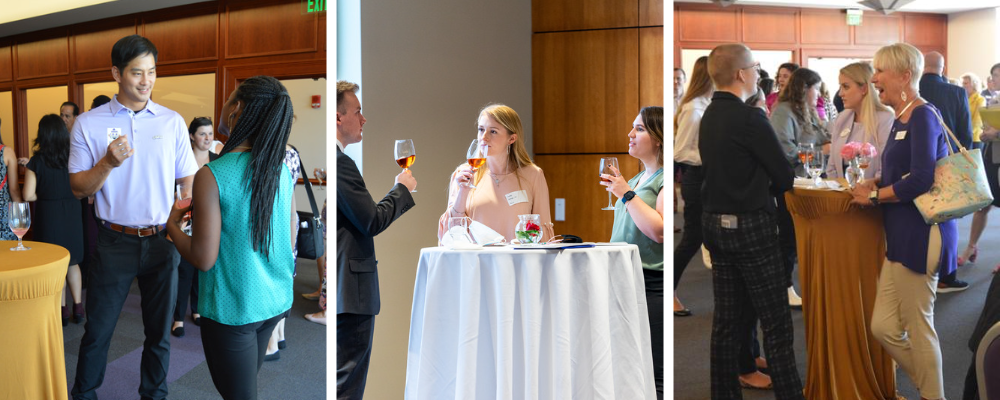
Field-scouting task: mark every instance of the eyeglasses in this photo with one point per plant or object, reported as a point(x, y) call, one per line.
point(755, 66)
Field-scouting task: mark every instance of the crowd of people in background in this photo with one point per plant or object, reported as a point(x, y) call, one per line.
point(735, 156)
point(83, 178)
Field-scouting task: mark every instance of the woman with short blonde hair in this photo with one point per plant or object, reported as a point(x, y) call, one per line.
point(916, 253)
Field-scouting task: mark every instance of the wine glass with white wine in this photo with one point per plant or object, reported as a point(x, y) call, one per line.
point(606, 164)
point(19, 220)
point(406, 155)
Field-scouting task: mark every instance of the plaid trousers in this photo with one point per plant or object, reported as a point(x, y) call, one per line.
point(748, 275)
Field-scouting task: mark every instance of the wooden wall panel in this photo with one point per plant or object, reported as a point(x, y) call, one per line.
point(92, 46)
point(770, 26)
point(6, 63)
point(926, 30)
point(650, 67)
point(708, 25)
point(191, 37)
point(585, 85)
point(562, 15)
point(578, 183)
point(878, 30)
point(253, 29)
point(44, 57)
point(650, 12)
point(825, 28)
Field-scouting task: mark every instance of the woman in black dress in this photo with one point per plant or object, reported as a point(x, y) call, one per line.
point(57, 210)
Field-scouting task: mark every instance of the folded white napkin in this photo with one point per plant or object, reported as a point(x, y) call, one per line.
point(483, 235)
point(803, 182)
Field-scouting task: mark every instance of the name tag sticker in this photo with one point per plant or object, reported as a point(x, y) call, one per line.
point(113, 133)
point(157, 137)
point(519, 196)
point(900, 135)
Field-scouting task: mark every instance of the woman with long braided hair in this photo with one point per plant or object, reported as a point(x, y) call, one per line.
point(242, 235)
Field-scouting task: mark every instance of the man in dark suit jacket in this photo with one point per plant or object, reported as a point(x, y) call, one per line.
point(954, 106)
point(359, 219)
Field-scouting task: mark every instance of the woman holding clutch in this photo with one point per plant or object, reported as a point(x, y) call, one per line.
point(509, 184)
point(639, 219)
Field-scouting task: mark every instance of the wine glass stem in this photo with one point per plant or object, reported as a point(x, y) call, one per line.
point(610, 204)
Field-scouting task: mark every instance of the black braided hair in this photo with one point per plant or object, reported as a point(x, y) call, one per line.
point(266, 121)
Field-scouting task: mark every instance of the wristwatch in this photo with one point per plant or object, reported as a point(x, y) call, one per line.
point(627, 196)
point(873, 197)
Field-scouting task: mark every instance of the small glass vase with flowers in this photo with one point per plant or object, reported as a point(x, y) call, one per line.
point(858, 156)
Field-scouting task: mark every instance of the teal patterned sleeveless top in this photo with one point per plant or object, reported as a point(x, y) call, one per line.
point(244, 286)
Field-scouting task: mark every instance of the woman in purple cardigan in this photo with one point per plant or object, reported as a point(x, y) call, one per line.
point(917, 253)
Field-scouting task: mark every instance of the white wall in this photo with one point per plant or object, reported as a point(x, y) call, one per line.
point(429, 66)
point(309, 133)
point(972, 42)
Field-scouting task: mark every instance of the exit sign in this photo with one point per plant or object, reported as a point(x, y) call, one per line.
point(854, 17)
point(313, 6)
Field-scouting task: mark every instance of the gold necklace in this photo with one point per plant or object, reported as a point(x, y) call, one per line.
point(242, 147)
point(907, 107)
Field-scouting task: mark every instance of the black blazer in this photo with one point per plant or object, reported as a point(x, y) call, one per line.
point(953, 103)
point(359, 219)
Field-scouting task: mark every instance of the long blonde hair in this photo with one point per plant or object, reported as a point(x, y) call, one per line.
point(517, 155)
point(700, 85)
point(861, 74)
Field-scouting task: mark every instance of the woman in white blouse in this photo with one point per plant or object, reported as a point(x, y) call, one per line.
point(864, 119)
point(687, 122)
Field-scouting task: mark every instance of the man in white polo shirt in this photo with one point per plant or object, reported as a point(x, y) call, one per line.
point(130, 155)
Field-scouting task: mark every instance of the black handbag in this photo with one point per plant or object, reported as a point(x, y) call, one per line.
point(310, 237)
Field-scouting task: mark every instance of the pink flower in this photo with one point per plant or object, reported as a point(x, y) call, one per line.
point(868, 150)
point(858, 149)
point(850, 150)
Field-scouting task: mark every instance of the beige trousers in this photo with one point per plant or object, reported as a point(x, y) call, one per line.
point(903, 319)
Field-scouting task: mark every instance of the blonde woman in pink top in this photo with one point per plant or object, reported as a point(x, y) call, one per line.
point(508, 185)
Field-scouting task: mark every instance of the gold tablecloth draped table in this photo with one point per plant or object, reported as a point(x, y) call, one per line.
point(840, 248)
point(32, 361)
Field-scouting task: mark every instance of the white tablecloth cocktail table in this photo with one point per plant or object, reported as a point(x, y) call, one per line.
point(501, 323)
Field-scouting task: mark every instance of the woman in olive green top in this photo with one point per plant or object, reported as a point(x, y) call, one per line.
point(639, 219)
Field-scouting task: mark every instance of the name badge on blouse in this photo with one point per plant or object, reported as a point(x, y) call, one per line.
point(900, 135)
point(519, 196)
point(845, 132)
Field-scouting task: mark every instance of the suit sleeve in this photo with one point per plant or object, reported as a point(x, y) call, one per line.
point(356, 204)
point(963, 126)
